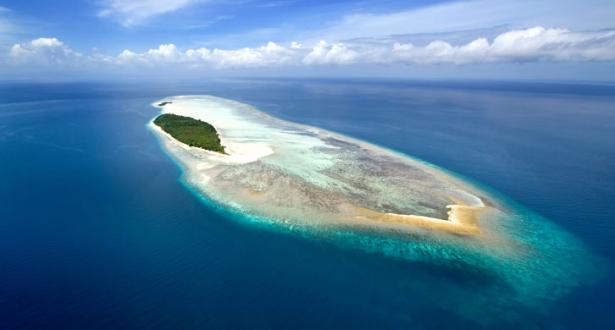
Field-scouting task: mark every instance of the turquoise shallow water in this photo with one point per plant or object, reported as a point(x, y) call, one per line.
point(536, 260)
point(97, 233)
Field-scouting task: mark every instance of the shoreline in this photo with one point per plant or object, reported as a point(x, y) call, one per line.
point(461, 217)
point(466, 223)
point(479, 191)
point(235, 152)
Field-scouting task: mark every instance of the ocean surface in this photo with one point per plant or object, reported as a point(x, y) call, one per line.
point(99, 231)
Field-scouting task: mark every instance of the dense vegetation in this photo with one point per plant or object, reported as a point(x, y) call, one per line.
point(190, 131)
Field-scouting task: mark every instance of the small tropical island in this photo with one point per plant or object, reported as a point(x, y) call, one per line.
point(317, 183)
point(193, 132)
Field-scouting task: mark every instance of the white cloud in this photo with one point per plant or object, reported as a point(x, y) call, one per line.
point(266, 55)
point(135, 12)
point(533, 44)
point(524, 45)
point(127, 56)
point(166, 52)
point(324, 53)
point(44, 51)
point(46, 42)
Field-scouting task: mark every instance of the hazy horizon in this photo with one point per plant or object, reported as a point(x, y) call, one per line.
point(191, 39)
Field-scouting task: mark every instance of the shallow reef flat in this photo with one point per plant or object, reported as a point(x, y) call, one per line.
point(308, 180)
point(303, 175)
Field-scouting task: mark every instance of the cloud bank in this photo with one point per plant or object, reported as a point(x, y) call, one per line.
point(524, 45)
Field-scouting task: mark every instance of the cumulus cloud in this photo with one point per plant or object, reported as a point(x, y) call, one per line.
point(269, 54)
point(135, 12)
point(533, 44)
point(324, 53)
point(524, 45)
point(44, 51)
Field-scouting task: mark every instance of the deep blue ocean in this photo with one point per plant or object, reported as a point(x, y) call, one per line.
point(97, 230)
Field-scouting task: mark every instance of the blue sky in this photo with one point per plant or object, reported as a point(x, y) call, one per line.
point(91, 39)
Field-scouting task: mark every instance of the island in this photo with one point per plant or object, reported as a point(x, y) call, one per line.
point(193, 132)
point(162, 104)
point(296, 178)
point(297, 174)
